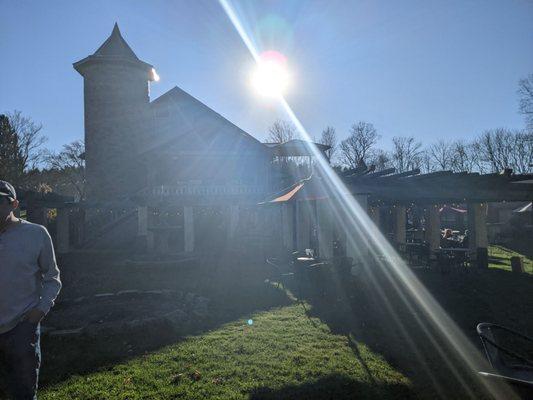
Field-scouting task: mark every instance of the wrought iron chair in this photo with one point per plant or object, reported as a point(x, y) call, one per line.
point(280, 277)
point(300, 268)
point(509, 364)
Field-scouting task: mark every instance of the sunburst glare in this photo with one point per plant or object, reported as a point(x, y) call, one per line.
point(364, 237)
point(270, 77)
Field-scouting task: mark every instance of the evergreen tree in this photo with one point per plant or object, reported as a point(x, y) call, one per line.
point(11, 160)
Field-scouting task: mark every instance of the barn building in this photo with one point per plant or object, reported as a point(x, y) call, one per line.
point(171, 170)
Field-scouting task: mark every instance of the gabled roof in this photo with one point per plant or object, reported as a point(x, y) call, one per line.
point(173, 101)
point(177, 92)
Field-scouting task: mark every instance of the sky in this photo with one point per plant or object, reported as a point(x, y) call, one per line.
point(430, 69)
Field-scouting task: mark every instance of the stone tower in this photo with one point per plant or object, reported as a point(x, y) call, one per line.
point(116, 98)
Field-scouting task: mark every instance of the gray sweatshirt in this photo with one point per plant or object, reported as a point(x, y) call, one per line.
point(29, 277)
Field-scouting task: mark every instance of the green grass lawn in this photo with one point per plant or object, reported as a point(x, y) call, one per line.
point(363, 341)
point(283, 354)
point(500, 257)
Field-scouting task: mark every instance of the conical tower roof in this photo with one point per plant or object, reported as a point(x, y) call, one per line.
point(115, 46)
point(114, 50)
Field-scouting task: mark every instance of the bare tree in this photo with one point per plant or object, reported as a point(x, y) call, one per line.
point(70, 163)
point(281, 131)
point(465, 157)
point(480, 163)
point(426, 162)
point(329, 138)
point(379, 159)
point(441, 155)
point(525, 91)
point(521, 159)
point(406, 153)
point(502, 148)
point(355, 149)
point(496, 147)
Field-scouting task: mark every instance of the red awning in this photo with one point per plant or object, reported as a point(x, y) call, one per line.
point(306, 190)
point(287, 196)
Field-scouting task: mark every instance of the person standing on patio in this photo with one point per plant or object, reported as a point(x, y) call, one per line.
point(29, 285)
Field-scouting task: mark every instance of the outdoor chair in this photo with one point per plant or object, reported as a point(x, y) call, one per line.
point(311, 275)
point(318, 276)
point(281, 276)
point(511, 365)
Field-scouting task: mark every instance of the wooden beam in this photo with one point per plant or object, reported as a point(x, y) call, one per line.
point(402, 174)
point(377, 174)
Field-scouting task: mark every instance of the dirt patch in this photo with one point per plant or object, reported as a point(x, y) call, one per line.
point(107, 312)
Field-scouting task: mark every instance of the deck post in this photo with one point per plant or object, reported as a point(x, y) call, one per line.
point(142, 221)
point(233, 220)
point(399, 224)
point(477, 234)
point(287, 225)
point(302, 213)
point(188, 228)
point(142, 227)
point(352, 250)
point(325, 230)
point(433, 227)
point(374, 214)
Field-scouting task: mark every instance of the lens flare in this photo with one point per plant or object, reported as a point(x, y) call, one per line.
point(271, 77)
point(154, 75)
point(364, 238)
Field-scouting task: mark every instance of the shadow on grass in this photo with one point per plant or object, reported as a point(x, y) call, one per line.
point(336, 387)
point(236, 290)
point(498, 260)
point(369, 311)
point(521, 246)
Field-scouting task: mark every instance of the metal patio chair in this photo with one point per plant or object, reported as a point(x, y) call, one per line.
point(280, 276)
point(510, 365)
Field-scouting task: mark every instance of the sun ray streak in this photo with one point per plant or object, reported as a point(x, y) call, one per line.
point(412, 292)
point(240, 29)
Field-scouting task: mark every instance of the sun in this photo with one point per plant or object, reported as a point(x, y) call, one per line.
point(271, 76)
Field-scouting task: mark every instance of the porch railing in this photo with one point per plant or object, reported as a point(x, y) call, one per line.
point(203, 190)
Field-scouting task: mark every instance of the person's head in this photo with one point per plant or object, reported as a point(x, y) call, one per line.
point(8, 200)
point(448, 233)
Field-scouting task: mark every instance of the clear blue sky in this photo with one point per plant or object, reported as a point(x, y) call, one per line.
point(431, 69)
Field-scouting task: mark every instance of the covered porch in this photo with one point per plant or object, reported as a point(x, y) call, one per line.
point(405, 207)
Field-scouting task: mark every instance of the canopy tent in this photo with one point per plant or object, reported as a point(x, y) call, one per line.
point(387, 196)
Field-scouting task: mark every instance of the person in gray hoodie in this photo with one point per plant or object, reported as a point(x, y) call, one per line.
point(29, 285)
